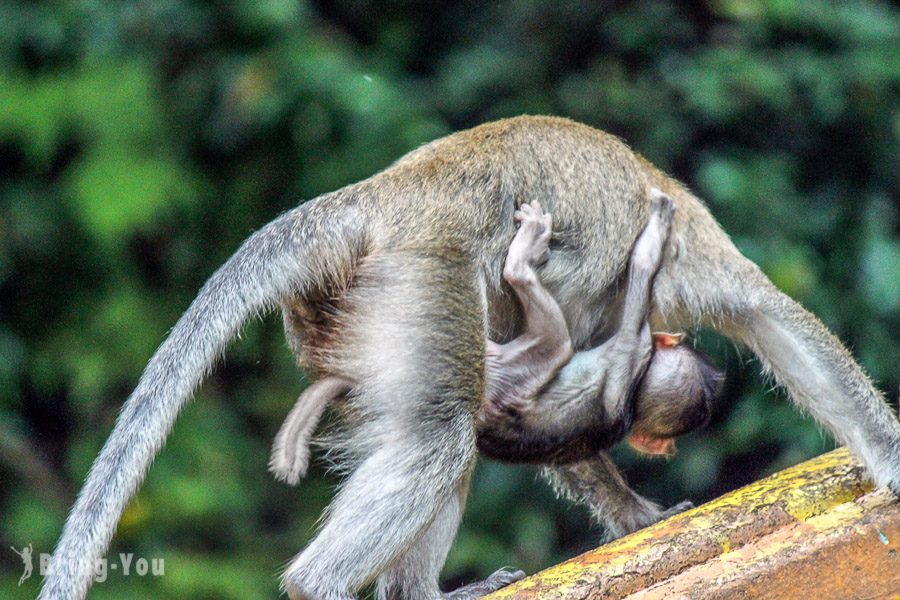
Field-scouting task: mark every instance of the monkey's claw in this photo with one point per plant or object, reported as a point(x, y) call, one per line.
point(677, 509)
point(497, 580)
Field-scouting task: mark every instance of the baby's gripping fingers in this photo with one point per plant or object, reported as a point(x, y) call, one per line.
point(662, 206)
point(530, 246)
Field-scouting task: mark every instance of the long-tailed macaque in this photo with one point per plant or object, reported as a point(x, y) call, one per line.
point(533, 412)
point(395, 282)
point(570, 411)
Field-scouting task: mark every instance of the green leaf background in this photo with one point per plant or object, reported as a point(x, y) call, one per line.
point(141, 142)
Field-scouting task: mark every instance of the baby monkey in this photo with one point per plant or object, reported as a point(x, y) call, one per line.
point(544, 404)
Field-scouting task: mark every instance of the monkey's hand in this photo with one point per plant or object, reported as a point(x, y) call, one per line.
point(648, 250)
point(531, 246)
point(497, 580)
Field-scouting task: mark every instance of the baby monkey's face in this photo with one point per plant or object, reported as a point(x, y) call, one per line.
point(675, 396)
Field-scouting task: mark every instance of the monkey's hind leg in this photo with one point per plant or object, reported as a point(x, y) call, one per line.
point(415, 575)
point(710, 280)
point(414, 439)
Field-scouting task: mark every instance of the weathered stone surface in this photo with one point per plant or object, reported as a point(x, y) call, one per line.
point(806, 528)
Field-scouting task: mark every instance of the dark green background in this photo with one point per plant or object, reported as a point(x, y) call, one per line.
point(140, 142)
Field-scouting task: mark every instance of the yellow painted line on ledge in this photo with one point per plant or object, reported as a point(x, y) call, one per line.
point(656, 553)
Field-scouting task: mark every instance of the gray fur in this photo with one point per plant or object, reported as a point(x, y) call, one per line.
point(290, 452)
point(597, 484)
point(522, 418)
point(587, 407)
point(415, 253)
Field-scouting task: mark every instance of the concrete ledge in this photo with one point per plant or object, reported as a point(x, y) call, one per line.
point(808, 529)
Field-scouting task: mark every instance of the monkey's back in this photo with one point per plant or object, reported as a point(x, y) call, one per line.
point(459, 193)
point(455, 197)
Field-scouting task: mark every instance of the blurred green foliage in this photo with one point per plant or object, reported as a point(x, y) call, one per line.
point(140, 142)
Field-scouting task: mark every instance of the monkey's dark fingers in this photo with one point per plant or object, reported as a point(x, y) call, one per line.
point(662, 205)
point(495, 581)
point(677, 509)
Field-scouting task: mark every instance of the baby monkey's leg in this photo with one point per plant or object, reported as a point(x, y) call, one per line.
point(539, 411)
point(290, 452)
point(590, 395)
point(544, 320)
point(516, 371)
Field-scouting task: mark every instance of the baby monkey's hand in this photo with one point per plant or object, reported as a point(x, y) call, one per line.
point(532, 242)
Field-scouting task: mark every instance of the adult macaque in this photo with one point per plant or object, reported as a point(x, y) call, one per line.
point(533, 412)
point(413, 256)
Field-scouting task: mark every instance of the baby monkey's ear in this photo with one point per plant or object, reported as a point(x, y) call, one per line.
point(667, 340)
point(653, 446)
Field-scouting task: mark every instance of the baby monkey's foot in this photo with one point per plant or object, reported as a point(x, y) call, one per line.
point(532, 242)
point(497, 580)
point(648, 249)
point(661, 204)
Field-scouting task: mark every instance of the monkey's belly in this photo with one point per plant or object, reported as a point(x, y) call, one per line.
point(311, 328)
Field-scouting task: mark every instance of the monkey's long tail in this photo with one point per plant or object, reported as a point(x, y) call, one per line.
point(287, 256)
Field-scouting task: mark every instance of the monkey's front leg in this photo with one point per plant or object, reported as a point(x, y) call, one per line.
point(598, 484)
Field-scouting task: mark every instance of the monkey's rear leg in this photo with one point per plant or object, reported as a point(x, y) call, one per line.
point(628, 351)
point(415, 575)
point(414, 342)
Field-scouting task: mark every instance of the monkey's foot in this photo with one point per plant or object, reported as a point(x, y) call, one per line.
point(648, 249)
point(498, 579)
point(531, 245)
point(677, 509)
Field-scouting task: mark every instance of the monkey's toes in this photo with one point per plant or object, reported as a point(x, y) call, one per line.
point(495, 581)
point(535, 223)
point(677, 509)
point(532, 208)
